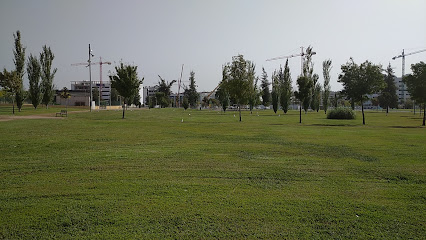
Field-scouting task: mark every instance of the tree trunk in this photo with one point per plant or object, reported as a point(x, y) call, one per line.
point(13, 106)
point(239, 109)
point(424, 115)
point(124, 108)
point(362, 109)
point(414, 107)
point(300, 114)
point(387, 110)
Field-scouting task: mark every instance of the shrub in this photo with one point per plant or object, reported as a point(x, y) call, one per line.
point(341, 113)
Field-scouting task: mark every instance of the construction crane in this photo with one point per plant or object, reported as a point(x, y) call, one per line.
point(177, 99)
point(100, 63)
point(301, 54)
point(403, 54)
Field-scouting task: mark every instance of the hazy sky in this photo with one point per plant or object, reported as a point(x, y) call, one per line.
point(160, 35)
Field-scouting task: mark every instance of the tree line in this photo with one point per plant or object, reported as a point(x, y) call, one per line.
point(239, 85)
point(40, 76)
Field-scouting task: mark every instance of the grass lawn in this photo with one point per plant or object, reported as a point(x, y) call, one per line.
point(97, 176)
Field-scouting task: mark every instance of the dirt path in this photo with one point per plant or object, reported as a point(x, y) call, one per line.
point(4, 118)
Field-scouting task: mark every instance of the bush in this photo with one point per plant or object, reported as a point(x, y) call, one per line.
point(341, 113)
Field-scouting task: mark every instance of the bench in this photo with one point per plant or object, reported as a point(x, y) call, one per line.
point(62, 113)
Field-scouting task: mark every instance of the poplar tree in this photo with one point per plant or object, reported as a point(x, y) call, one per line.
point(47, 75)
point(19, 53)
point(264, 85)
point(222, 93)
point(326, 68)
point(286, 89)
point(34, 72)
point(275, 91)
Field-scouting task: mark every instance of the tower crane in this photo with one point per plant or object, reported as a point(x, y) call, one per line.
point(301, 54)
point(403, 54)
point(177, 103)
point(100, 63)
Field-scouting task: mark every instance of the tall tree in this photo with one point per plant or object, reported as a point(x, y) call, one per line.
point(303, 94)
point(326, 68)
point(47, 75)
point(254, 93)
point(316, 93)
point(275, 94)
point(222, 93)
point(416, 84)
point(388, 97)
point(19, 53)
point(238, 84)
point(317, 96)
point(359, 81)
point(191, 93)
point(34, 72)
point(126, 82)
point(264, 85)
point(286, 89)
point(10, 81)
point(308, 72)
point(185, 103)
point(165, 88)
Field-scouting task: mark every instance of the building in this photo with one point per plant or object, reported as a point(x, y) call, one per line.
point(401, 91)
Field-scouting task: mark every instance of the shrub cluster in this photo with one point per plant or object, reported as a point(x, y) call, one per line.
point(341, 113)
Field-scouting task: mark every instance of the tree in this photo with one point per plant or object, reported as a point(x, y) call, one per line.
point(317, 96)
point(95, 95)
point(126, 82)
point(185, 103)
point(388, 97)
point(65, 95)
point(254, 93)
point(47, 75)
point(164, 87)
point(10, 81)
point(264, 85)
point(285, 88)
point(275, 91)
point(304, 85)
point(416, 84)
point(19, 53)
point(326, 68)
point(238, 85)
point(222, 93)
point(162, 100)
point(359, 81)
point(191, 93)
point(34, 72)
point(308, 72)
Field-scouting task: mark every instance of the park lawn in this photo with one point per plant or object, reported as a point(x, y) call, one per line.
point(95, 175)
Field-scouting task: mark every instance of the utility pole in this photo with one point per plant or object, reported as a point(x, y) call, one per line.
point(90, 77)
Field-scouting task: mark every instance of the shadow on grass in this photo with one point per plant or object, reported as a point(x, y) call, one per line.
point(332, 125)
point(406, 126)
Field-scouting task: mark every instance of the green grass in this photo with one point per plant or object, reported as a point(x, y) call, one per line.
point(97, 176)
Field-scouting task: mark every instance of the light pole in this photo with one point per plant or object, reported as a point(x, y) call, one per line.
point(90, 76)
